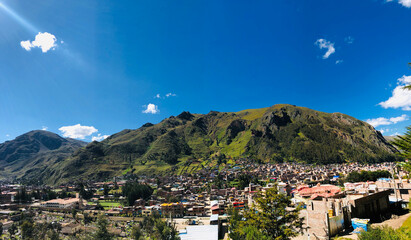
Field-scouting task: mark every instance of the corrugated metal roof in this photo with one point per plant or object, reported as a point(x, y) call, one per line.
point(205, 232)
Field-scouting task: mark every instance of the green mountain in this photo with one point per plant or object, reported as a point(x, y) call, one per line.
point(27, 156)
point(191, 141)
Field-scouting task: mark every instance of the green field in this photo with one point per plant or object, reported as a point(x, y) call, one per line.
point(109, 204)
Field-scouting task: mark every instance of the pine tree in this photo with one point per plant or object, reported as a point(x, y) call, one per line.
point(403, 143)
point(271, 217)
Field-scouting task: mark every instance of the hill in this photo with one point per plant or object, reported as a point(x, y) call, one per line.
point(189, 141)
point(27, 156)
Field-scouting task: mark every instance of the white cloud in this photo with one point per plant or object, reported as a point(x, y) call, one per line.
point(339, 61)
point(405, 3)
point(157, 95)
point(404, 80)
point(77, 131)
point(322, 43)
point(44, 128)
point(401, 118)
point(401, 98)
point(26, 45)
point(151, 108)
point(99, 137)
point(171, 95)
point(378, 121)
point(386, 121)
point(349, 40)
point(45, 41)
point(7, 135)
point(395, 134)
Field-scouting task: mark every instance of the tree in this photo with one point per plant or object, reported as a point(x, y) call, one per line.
point(27, 230)
point(74, 213)
point(403, 143)
point(364, 176)
point(132, 190)
point(87, 219)
point(22, 196)
point(1, 228)
point(272, 216)
point(234, 226)
point(154, 227)
point(136, 233)
point(408, 86)
point(106, 189)
point(12, 230)
point(102, 231)
point(53, 235)
point(386, 233)
point(252, 233)
point(86, 194)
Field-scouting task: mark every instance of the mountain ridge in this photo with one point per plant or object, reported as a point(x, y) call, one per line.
point(279, 133)
point(188, 142)
point(24, 156)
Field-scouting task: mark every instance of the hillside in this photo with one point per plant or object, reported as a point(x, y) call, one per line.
point(27, 156)
point(184, 143)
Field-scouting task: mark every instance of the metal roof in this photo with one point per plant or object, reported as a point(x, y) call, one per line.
point(204, 232)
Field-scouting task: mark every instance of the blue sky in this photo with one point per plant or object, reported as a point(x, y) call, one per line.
point(92, 68)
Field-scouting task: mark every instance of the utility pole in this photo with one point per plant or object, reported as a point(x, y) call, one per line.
point(308, 226)
point(395, 186)
point(327, 217)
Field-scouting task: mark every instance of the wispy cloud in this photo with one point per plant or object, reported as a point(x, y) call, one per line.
point(349, 39)
point(384, 130)
point(375, 122)
point(158, 95)
point(44, 128)
point(171, 95)
point(151, 108)
point(324, 44)
point(401, 98)
point(77, 131)
point(339, 61)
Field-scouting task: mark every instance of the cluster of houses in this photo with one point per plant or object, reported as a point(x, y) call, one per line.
point(328, 208)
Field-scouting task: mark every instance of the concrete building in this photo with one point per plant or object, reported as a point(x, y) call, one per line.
point(370, 206)
point(61, 203)
point(172, 209)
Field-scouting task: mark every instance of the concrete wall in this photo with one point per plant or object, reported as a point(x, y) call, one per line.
point(371, 206)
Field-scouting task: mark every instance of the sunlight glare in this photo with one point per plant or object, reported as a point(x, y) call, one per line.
point(18, 18)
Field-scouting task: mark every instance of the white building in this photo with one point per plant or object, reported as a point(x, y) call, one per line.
point(61, 203)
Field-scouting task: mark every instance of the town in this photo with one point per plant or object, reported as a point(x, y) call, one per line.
point(198, 205)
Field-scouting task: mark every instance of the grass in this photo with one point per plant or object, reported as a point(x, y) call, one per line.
point(109, 205)
point(252, 114)
point(407, 223)
point(238, 146)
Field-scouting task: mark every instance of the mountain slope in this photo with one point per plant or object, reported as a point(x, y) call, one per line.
point(27, 156)
point(278, 133)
